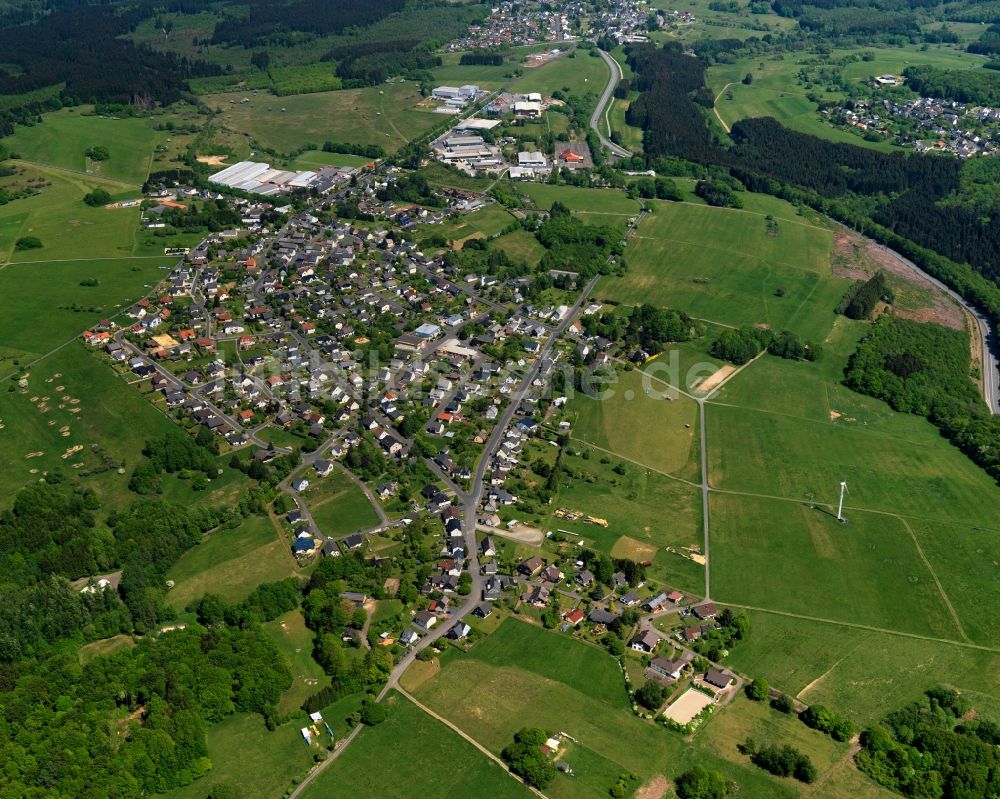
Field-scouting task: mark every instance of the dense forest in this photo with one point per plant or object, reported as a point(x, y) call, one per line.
point(932, 749)
point(924, 369)
point(977, 87)
point(266, 22)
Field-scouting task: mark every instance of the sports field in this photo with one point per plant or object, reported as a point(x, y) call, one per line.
point(383, 115)
point(411, 754)
point(723, 265)
point(338, 506)
point(231, 563)
point(64, 136)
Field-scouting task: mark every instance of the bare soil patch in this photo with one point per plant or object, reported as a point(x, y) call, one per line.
point(714, 380)
point(858, 259)
point(211, 160)
point(656, 788)
point(522, 533)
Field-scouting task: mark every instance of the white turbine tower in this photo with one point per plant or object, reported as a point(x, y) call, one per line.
point(840, 505)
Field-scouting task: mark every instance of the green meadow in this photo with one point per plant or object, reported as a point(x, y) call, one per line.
point(723, 265)
point(522, 675)
point(484, 223)
point(314, 159)
point(295, 640)
point(594, 206)
point(64, 136)
point(338, 506)
point(411, 754)
point(385, 115)
point(231, 563)
point(520, 245)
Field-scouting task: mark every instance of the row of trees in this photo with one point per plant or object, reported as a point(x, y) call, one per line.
point(743, 344)
point(861, 298)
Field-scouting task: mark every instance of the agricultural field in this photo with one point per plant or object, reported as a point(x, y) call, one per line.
point(833, 665)
point(64, 136)
point(411, 754)
point(384, 115)
point(728, 266)
point(295, 641)
point(522, 675)
point(593, 206)
point(575, 74)
point(246, 755)
point(231, 563)
point(338, 506)
point(72, 405)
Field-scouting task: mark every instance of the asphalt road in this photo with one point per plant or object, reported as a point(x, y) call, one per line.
point(602, 105)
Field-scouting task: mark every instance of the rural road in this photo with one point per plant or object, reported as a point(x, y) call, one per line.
point(991, 367)
point(603, 105)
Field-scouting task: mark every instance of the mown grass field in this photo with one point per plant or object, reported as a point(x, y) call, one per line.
point(522, 675)
point(722, 265)
point(231, 563)
point(593, 206)
point(789, 557)
point(295, 641)
point(64, 136)
point(521, 245)
point(244, 754)
point(314, 159)
point(383, 115)
point(479, 224)
point(411, 754)
point(578, 74)
point(338, 506)
point(640, 419)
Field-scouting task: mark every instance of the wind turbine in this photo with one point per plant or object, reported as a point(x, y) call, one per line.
point(840, 505)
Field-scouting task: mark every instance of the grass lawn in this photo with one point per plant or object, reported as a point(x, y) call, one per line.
point(594, 206)
point(64, 136)
point(383, 115)
point(231, 563)
point(409, 755)
point(521, 245)
point(106, 646)
point(295, 641)
point(338, 506)
point(722, 265)
point(244, 754)
point(838, 667)
point(73, 405)
point(43, 305)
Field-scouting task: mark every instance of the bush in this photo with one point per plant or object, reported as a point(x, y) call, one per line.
point(758, 690)
point(783, 703)
point(699, 783)
point(97, 198)
point(28, 243)
point(651, 695)
point(98, 153)
point(372, 713)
